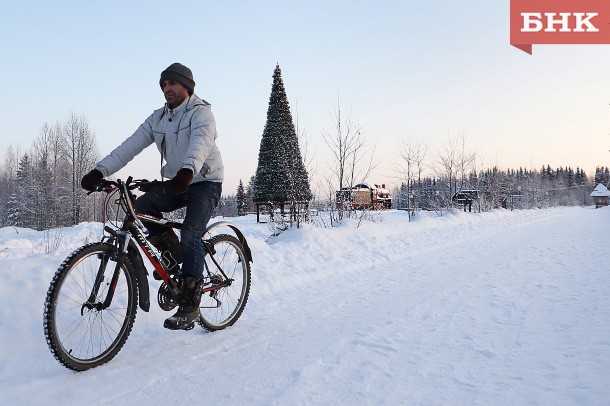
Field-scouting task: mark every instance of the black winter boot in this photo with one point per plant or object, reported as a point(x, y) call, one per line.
point(188, 311)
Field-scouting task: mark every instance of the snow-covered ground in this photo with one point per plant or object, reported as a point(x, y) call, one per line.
point(464, 309)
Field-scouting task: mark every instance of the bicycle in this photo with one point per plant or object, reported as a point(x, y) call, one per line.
point(91, 304)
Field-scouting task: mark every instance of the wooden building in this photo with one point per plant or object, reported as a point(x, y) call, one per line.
point(600, 195)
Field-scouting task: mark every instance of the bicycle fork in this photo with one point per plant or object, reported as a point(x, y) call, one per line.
point(122, 237)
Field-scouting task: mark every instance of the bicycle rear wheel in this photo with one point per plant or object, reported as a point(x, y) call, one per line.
point(221, 308)
point(80, 333)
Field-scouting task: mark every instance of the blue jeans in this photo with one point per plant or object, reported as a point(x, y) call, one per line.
point(200, 201)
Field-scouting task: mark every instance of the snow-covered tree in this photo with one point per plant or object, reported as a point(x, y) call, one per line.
point(13, 213)
point(249, 193)
point(26, 193)
point(240, 197)
point(602, 175)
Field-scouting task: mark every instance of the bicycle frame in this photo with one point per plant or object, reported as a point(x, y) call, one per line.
point(131, 234)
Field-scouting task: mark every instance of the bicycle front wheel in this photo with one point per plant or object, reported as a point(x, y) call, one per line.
point(81, 332)
point(222, 307)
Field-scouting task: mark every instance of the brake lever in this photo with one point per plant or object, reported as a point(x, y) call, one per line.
point(101, 186)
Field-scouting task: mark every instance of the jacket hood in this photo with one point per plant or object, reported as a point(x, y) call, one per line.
point(195, 101)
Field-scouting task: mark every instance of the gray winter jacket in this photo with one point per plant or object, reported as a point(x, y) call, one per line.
point(185, 136)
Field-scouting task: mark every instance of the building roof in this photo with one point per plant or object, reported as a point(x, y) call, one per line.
point(600, 190)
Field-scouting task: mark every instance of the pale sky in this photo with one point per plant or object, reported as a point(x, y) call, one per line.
point(432, 69)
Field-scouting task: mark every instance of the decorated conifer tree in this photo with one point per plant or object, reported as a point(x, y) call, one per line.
point(281, 176)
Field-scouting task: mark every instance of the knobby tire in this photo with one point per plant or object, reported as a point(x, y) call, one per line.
point(81, 338)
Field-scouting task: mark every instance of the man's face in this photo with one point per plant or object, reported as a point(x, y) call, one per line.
point(174, 93)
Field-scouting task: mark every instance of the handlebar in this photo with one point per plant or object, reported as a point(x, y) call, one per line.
point(107, 185)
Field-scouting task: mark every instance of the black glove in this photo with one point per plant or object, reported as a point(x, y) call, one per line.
point(179, 184)
point(91, 180)
point(147, 186)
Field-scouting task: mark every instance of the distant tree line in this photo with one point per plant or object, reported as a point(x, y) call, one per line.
point(238, 204)
point(40, 188)
point(494, 188)
point(455, 178)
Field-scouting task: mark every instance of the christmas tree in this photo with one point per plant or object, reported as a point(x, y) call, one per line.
point(281, 176)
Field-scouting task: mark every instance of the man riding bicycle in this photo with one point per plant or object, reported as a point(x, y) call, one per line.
point(184, 131)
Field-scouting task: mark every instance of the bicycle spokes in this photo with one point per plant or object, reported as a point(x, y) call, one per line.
point(226, 292)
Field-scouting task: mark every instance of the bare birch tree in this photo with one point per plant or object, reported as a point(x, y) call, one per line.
point(82, 153)
point(307, 154)
point(446, 169)
point(411, 154)
point(49, 152)
point(466, 160)
point(352, 159)
point(454, 164)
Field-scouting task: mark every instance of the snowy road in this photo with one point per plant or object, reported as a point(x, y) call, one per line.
point(497, 308)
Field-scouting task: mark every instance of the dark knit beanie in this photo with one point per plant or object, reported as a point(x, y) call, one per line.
point(180, 74)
